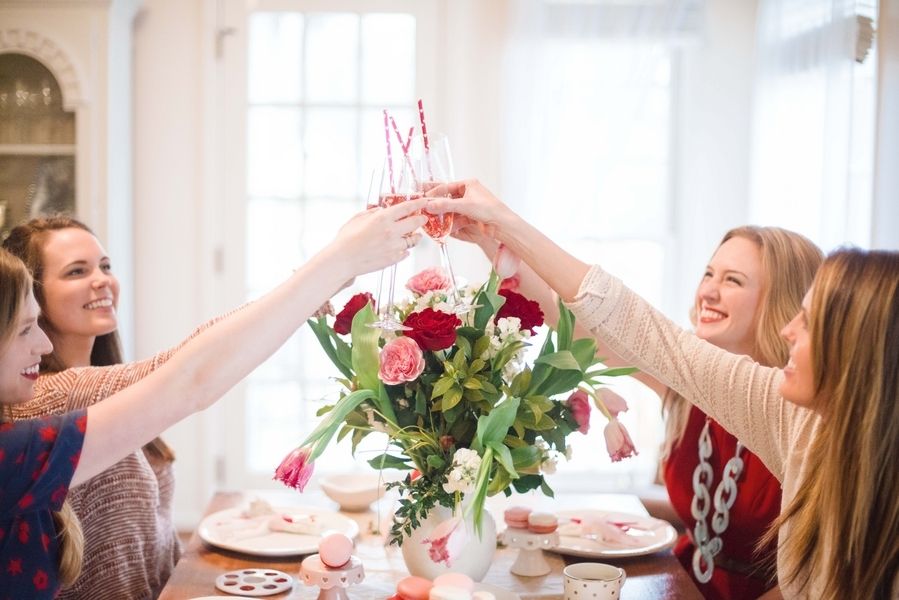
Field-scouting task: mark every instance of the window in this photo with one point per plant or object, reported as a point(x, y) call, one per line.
point(316, 83)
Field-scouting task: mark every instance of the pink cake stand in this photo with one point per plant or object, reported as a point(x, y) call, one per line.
point(530, 561)
point(332, 581)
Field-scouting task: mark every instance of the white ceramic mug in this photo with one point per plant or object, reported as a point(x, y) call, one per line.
point(586, 581)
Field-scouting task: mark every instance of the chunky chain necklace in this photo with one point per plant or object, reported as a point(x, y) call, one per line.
point(725, 496)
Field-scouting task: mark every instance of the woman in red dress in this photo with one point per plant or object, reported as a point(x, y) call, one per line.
point(751, 288)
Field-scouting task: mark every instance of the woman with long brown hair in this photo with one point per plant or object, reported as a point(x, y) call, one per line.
point(41, 458)
point(826, 425)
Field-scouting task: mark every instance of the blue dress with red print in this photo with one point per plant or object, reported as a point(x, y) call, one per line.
point(37, 461)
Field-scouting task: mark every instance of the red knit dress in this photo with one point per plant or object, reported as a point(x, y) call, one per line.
point(756, 507)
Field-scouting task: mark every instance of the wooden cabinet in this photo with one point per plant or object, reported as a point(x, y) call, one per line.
point(65, 113)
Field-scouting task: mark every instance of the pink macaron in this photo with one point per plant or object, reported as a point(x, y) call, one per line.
point(517, 517)
point(542, 522)
point(456, 580)
point(335, 550)
point(414, 588)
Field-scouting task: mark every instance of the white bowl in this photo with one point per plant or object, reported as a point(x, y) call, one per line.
point(354, 492)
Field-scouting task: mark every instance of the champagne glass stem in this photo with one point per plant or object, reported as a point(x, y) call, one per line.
point(444, 253)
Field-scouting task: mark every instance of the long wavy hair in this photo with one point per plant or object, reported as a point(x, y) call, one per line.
point(27, 241)
point(843, 523)
point(15, 283)
point(789, 262)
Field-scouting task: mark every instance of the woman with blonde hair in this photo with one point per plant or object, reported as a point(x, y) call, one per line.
point(826, 425)
point(41, 458)
point(751, 287)
point(131, 545)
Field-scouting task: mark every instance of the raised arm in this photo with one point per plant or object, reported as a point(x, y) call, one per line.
point(534, 287)
point(214, 361)
point(735, 391)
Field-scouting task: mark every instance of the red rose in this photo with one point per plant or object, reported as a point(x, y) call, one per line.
point(526, 310)
point(432, 329)
point(344, 321)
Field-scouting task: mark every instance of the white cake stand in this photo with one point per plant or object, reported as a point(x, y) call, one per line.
point(332, 581)
point(530, 561)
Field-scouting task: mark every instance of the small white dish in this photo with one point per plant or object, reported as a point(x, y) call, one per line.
point(354, 492)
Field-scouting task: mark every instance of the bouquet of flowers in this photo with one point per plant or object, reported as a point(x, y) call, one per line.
point(464, 413)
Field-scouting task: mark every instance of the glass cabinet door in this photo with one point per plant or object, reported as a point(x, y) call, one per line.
point(37, 143)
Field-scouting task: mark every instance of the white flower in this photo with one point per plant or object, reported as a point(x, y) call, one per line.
point(548, 465)
point(463, 475)
point(568, 452)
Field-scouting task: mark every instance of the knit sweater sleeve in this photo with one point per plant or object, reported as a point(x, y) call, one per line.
point(734, 390)
point(81, 387)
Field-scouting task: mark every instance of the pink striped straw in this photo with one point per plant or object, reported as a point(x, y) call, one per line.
point(424, 128)
point(424, 137)
point(405, 146)
point(389, 157)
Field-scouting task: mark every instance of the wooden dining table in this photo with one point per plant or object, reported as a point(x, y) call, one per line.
point(657, 575)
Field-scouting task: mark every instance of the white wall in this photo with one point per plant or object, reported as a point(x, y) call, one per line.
point(713, 141)
point(169, 42)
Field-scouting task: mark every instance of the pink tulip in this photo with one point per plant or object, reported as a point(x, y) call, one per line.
point(614, 403)
point(579, 406)
point(401, 360)
point(447, 541)
point(296, 469)
point(505, 262)
point(618, 441)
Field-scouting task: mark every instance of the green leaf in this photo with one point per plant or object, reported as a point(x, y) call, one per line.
point(435, 461)
point(490, 302)
point(480, 346)
point(389, 461)
point(504, 457)
point(584, 351)
point(525, 456)
point(613, 372)
point(326, 338)
point(464, 345)
point(563, 360)
point(440, 388)
point(493, 427)
point(451, 398)
point(565, 327)
point(334, 418)
point(365, 348)
point(472, 384)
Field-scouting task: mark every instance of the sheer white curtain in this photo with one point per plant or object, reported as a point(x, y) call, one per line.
point(812, 157)
point(588, 130)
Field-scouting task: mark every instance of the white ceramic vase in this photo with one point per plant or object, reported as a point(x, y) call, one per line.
point(474, 561)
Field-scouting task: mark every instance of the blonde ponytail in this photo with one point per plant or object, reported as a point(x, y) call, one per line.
point(71, 544)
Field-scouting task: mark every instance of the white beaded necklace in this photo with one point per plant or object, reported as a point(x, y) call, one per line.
point(707, 548)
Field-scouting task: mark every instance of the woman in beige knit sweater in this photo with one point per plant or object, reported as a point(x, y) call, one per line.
point(130, 545)
point(827, 425)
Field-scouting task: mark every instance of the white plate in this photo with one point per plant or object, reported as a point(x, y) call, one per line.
point(500, 593)
point(649, 535)
point(228, 529)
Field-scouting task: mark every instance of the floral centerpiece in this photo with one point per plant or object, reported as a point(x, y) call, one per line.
point(464, 412)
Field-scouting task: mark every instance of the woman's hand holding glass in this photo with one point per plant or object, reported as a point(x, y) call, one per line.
point(378, 238)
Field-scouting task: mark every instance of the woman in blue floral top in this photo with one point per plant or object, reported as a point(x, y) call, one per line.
point(40, 539)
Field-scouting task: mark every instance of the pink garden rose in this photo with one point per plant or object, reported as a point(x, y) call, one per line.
point(505, 262)
point(579, 405)
point(401, 361)
point(296, 469)
point(447, 541)
point(429, 280)
point(618, 441)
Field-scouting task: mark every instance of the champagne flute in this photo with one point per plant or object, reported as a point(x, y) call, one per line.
point(397, 184)
point(434, 167)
